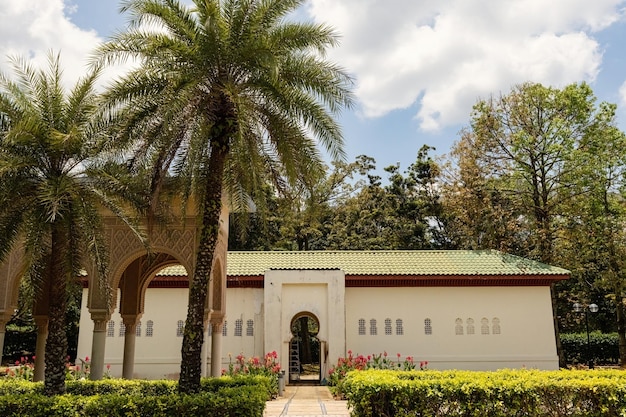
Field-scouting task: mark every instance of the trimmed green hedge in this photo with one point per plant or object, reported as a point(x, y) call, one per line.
point(496, 394)
point(603, 350)
point(19, 341)
point(220, 397)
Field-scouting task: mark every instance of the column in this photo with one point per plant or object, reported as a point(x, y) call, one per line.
point(128, 366)
point(100, 321)
point(216, 348)
point(40, 348)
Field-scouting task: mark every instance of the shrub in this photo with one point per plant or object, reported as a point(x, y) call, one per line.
point(496, 394)
point(603, 349)
point(239, 396)
point(19, 341)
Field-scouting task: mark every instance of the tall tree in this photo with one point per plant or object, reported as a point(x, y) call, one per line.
point(227, 94)
point(530, 140)
point(481, 213)
point(594, 231)
point(48, 204)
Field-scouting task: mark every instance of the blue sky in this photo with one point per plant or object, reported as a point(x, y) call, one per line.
point(418, 65)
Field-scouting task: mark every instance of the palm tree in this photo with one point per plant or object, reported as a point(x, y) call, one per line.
point(48, 206)
point(227, 94)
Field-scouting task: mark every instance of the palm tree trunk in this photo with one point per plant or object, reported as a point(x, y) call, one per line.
point(193, 337)
point(56, 344)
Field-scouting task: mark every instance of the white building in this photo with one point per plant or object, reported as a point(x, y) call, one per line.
point(481, 310)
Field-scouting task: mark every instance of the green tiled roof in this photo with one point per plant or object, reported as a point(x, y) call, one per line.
point(430, 263)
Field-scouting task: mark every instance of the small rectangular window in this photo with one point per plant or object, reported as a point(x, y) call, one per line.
point(361, 327)
point(373, 329)
point(428, 328)
point(388, 327)
point(399, 327)
point(111, 328)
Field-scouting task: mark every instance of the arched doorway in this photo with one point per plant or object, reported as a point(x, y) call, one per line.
point(304, 348)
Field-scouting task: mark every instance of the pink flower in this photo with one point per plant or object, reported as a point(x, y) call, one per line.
point(385, 354)
point(86, 358)
point(398, 355)
point(108, 366)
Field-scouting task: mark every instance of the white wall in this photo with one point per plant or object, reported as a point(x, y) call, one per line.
point(526, 334)
point(243, 304)
point(159, 356)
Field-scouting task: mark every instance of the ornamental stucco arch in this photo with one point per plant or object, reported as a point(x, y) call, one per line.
point(175, 243)
point(10, 277)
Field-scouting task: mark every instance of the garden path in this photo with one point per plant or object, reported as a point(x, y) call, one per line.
point(306, 401)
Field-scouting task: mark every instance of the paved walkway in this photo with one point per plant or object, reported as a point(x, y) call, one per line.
point(306, 401)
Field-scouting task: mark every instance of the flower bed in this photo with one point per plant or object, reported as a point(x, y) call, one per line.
point(360, 363)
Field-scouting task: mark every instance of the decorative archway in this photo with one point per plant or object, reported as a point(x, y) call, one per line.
point(304, 348)
point(131, 265)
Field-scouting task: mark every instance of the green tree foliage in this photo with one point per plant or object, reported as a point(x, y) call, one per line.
point(594, 229)
point(49, 202)
point(527, 158)
point(350, 209)
point(228, 95)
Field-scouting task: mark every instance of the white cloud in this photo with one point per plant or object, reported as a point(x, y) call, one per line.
point(32, 28)
point(445, 54)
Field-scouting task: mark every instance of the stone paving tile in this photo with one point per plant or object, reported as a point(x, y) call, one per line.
point(306, 401)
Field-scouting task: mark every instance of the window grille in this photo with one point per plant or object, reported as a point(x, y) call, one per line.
point(238, 327)
point(428, 328)
point(495, 324)
point(470, 326)
point(122, 329)
point(484, 326)
point(373, 329)
point(138, 330)
point(149, 328)
point(111, 328)
point(180, 328)
point(361, 327)
point(224, 329)
point(399, 327)
point(250, 328)
point(458, 327)
point(388, 327)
